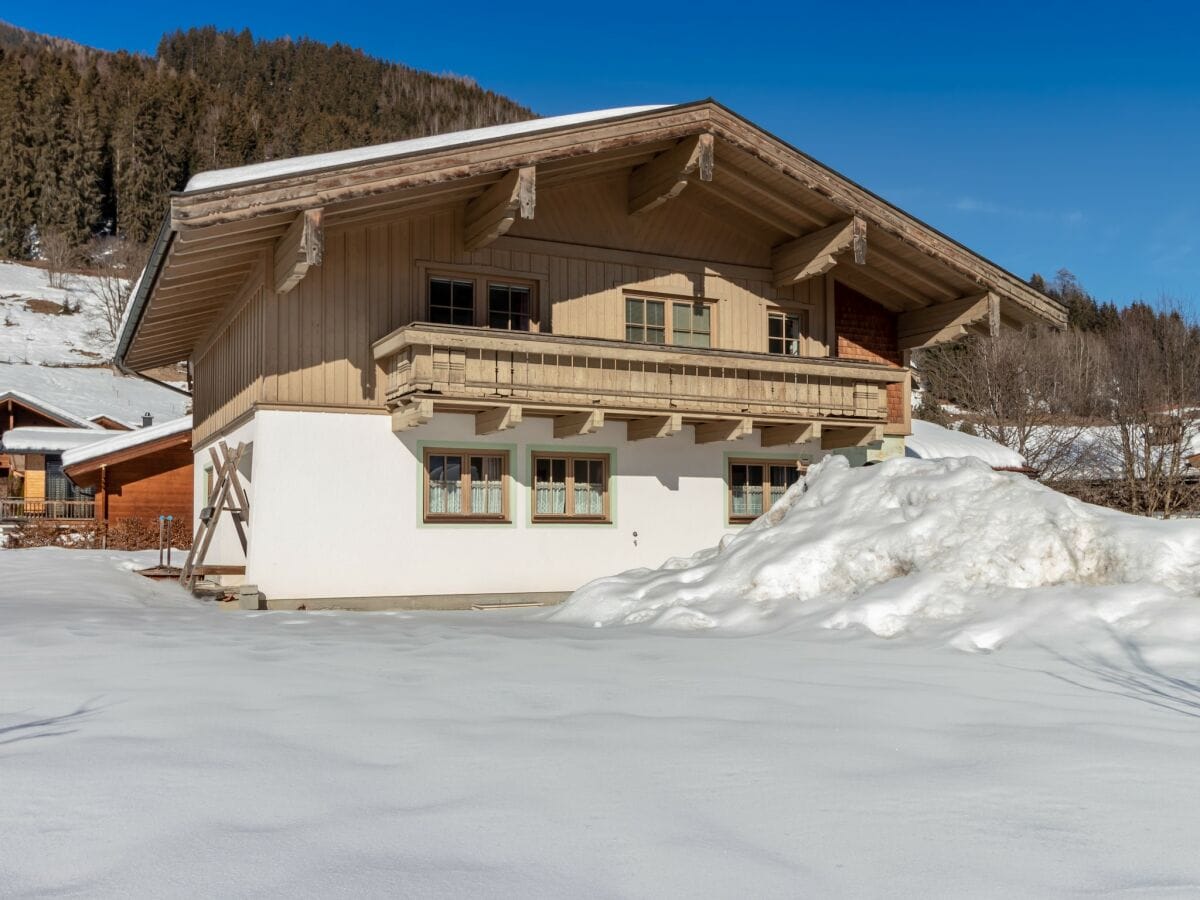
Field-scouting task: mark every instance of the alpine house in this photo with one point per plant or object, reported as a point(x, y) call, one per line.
point(489, 366)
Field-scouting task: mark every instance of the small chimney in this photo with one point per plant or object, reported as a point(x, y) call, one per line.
point(147, 420)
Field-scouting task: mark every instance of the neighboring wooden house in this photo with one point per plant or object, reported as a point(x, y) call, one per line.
point(492, 365)
point(138, 474)
point(32, 483)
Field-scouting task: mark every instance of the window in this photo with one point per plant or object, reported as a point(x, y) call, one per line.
point(754, 487)
point(509, 306)
point(645, 321)
point(451, 301)
point(570, 488)
point(689, 324)
point(465, 485)
point(785, 332)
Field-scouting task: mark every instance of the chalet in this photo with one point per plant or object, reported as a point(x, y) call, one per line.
point(139, 473)
point(45, 412)
point(489, 366)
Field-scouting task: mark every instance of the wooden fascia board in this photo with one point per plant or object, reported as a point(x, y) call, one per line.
point(294, 192)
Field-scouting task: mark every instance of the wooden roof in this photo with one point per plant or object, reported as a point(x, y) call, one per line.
point(213, 238)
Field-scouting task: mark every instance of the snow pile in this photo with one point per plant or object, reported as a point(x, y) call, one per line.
point(947, 549)
point(931, 441)
point(126, 440)
point(33, 331)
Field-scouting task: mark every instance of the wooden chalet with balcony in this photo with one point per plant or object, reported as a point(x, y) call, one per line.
point(491, 365)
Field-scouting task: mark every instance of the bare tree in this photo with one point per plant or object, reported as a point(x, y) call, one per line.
point(1034, 391)
point(115, 261)
point(1153, 367)
point(60, 256)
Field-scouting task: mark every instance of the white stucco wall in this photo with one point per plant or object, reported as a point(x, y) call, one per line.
point(337, 508)
point(225, 548)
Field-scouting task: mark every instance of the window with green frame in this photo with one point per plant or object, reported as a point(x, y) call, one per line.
point(570, 487)
point(756, 485)
point(683, 323)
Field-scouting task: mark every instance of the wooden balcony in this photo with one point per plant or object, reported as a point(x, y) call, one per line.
point(503, 375)
point(20, 508)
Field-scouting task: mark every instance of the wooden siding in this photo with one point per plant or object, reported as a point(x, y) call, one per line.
point(311, 347)
point(157, 484)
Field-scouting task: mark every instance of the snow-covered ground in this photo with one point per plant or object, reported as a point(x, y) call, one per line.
point(151, 745)
point(31, 334)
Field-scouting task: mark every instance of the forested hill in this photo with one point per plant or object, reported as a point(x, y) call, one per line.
point(93, 141)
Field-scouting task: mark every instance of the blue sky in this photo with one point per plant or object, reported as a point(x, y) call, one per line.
point(1041, 135)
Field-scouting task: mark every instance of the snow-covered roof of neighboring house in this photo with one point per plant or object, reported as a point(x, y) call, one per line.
point(121, 441)
point(49, 410)
point(85, 391)
point(30, 439)
point(206, 181)
point(930, 441)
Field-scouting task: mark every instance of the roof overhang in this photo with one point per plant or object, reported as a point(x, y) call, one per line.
point(213, 238)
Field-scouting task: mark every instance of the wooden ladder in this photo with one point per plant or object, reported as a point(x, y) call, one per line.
point(228, 496)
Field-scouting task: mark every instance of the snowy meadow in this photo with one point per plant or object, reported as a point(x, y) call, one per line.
point(959, 685)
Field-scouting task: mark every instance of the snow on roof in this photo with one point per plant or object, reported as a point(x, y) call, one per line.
point(30, 439)
point(83, 392)
point(48, 409)
point(930, 441)
point(296, 165)
point(125, 440)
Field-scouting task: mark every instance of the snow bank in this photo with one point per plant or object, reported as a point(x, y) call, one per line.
point(206, 181)
point(931, 441)
point(949, 549)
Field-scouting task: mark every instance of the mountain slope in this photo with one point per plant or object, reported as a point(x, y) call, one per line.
point(93, 140)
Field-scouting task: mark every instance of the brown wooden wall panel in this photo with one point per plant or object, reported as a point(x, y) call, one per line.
point(158, 484)
point(312, 346)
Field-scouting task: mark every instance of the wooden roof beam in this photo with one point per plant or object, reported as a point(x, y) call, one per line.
point(790, 435)
point(816, 253)
point(664, 177)
point(300, 248)
point(499, 418)
point(653, 427)
point(724, 430)
point(945, 321)
point(747, 184)
point(578, 424)
point(880, 287)
point(756, 211)
point(490, 216)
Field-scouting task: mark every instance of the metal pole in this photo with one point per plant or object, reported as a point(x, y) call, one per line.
point(170, 539)
point(160, 539)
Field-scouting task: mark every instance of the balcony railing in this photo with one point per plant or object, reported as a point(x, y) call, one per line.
point(479, 364)
point(16, 508)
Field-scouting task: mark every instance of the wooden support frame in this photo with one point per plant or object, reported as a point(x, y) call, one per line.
point(834, 438)
point(229, 497)
point(299, 249)
point(654, 427)
point(492, 215)
point(790, 435)
point(945, 321)
point(412, 415)
point(501, 418)
point(724, 430)
point(816, 253)
point(664, 177)
point(578, 424)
